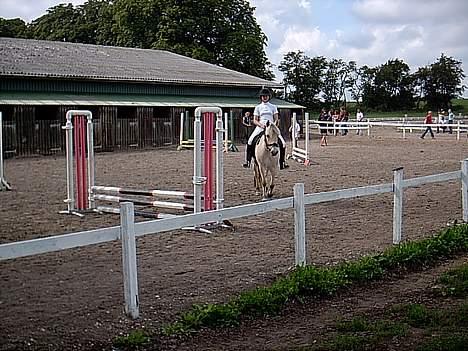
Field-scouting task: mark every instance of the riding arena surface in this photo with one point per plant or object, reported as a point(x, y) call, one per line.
point(73, 299)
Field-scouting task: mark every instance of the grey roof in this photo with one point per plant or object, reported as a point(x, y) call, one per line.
point(52, 59)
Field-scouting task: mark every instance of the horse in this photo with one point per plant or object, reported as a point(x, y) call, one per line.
point(266, 161)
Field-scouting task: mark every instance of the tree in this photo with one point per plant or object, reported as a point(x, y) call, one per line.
point(442, 81)
point(389, 86)
point(61, 23)
point(13, 28)
point(302, 76)
point(337, 79)
point(216, 31)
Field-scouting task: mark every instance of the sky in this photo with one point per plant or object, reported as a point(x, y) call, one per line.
point(370, 32)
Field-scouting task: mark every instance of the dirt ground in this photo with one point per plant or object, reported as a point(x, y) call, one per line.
point(73, 299)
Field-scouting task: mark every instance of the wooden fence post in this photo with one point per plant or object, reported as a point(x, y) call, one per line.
point(129, 259)
point(464, 181)
point(397, 204)
point(299, 224)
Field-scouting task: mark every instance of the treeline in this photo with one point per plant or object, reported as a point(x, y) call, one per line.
point(221, 32)
point(319, 82)
point(226, 33)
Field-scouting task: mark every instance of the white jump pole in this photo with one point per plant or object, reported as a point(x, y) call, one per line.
point(198, 179)
point(220, 132)
point(71, 209)
point(3, 183)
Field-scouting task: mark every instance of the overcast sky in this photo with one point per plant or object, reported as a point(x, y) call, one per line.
point(367, 31)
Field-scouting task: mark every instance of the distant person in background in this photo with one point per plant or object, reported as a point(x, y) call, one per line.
point(296, 131)
point(428, 122)
point(323, 117)
point(344, 117)
point(441, 120)
point(451, 119)
point(359, 118)
point(247, 123)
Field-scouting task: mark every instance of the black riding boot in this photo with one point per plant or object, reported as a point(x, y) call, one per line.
point(282, 163)
point(248, 155)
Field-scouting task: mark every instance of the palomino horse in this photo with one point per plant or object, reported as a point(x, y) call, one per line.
point(267, 160)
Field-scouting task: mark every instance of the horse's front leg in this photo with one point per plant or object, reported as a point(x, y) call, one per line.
point(257, 179)
point(271, 185)
point(265, 184)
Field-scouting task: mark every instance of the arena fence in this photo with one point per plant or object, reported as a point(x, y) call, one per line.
point(129, 230)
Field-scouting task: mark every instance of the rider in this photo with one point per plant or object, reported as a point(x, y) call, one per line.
point(264, 112)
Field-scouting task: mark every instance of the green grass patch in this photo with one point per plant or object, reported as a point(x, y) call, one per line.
point(134, 340)
point(456, 342)
point(320, 281)
point(455, 282)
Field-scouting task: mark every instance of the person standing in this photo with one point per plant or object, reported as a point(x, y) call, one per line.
point(247, 124)
point(323, 117)
point(263, 113)
point(296, 132)
point(428, 122)
point(451, 119)
point(359, 118)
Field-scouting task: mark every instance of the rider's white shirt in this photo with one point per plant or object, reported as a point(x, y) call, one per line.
point(266, 112)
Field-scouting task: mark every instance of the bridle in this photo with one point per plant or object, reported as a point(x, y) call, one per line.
point(270, 146)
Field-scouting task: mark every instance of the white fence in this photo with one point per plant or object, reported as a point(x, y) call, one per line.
point(128, 229)
point(404, 126)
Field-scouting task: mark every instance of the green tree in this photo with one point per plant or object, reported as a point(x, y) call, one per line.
point(13, 28)
point(389, 87)
point(441, 81)
point(61, 23)
point(302, 77)
point(216, 31)
point(338, 77)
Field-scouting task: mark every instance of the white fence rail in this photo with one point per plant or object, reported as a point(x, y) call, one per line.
point(404, 126)
point(129, 230)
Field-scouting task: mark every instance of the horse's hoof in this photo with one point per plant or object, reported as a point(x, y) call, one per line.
point(257, 193)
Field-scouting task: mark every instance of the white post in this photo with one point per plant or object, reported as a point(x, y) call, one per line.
point(293, 131)
point(129, 259)
point(299, 224)
point(220, 132)
point(181, 132)
point(464, 181)
point(69, 150)
point(226, 141)
point(458, 130)
point(90, 164)
point(306, 141)
point(368, 127)
point(404, 129)
point(397, 204)
point(3, 183)
point(197, 165)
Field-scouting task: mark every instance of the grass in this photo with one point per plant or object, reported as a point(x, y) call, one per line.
point(426, 328)
point(316, 282)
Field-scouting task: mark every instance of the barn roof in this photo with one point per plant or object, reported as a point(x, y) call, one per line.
point(61, 60)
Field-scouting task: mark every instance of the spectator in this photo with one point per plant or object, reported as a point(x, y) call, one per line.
point(247, 123)
point(344, 117)
point(359, 118)
point(428, 122)
point(451, 119)
point(297, 132)
point(323, 117)
point(441, 120)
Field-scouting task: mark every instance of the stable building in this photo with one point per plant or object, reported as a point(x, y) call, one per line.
point(136, 96)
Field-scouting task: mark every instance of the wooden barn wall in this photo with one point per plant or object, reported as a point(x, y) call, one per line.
point(32, 130)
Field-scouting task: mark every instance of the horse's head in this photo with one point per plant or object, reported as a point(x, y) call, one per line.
point(271, 138)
